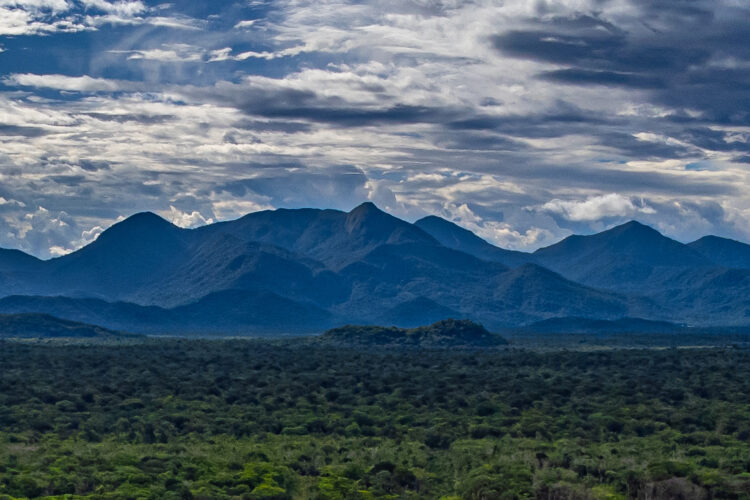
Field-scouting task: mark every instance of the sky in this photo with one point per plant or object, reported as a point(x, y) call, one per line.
point(524, 121)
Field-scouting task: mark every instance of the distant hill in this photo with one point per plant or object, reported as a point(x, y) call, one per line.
point(630, 257)
point(42, 326)
point(228, 312)
point(443, 334)
point(723, 251)
point(306, 270)
point(454, 236)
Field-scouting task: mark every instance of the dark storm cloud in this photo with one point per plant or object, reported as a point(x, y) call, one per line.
point(631, 147)
point(470, 140)
point(306, 105)
point(127, 117)
point(692, 55)
point(273, 126)
point(562, 120)
point(93, 166)
point(588, 77)
point(68, 180)
point(21, 131)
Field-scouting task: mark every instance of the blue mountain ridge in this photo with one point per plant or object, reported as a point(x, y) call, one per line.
point(304, 270)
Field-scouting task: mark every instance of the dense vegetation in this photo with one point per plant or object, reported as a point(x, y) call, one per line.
point(445, 333)
point(243, 419)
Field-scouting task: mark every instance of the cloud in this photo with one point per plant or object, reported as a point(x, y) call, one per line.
point(245, 24)
point(122, 8)
point(179, 52)
point(62, 82)
point(597, 207)
point(233, 208)
point(482, 111)
point(186, 219)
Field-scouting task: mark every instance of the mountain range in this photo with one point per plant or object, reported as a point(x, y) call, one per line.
point(306, 270)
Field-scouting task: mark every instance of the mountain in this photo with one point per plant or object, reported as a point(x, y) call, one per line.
point(454, 236)
point(131, 254)
point(448, 333)
point(632, 258)
point(330, 237)
point(43, 326)
point(723, 251)
point(307, 270)
point(15, 261)
point(227, 312)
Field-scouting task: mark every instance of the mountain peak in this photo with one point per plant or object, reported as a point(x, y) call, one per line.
point(631, 228)
point(366, 207)
point(140, 225)
point(369, 217)
point(723, 251)
point(145, 219)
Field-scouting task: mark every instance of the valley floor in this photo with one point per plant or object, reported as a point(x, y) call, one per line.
point(176, 418)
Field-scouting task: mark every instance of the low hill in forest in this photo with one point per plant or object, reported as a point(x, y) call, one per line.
point(445, 333)
point(44, 326)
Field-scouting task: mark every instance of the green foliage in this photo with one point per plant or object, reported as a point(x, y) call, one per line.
point(176, 419)
point(445, 333)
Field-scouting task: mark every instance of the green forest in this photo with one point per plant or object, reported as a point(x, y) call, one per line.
point(249, 419)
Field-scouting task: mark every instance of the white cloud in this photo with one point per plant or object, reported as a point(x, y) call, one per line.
point(58, 251)
point(130, 9)
point(169, 53)
point(245, 24)
point(233, 209)
point(186, 219)
point(72, 83)
point(596, 207)
point(11, 202)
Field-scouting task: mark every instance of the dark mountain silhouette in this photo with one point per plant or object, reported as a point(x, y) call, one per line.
point(44, 326)
point(126, 257)
point(16, 261)
point(308, 269)
point(454, 236)
point(331, 237)
point(442, 334)
point(631, 257)
point(723, 251)
point(113, 315)
point(228, 312)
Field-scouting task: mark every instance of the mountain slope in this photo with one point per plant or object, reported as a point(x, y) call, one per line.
point(454, 236)
point(723, 251)
point(227, 312)
point(126, 257)
point(332, 237)
point(16, 261)
point(631, 257)
point(45, 326)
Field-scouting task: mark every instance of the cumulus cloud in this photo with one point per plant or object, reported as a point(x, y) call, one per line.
point(597, 207)
point(186, 219)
